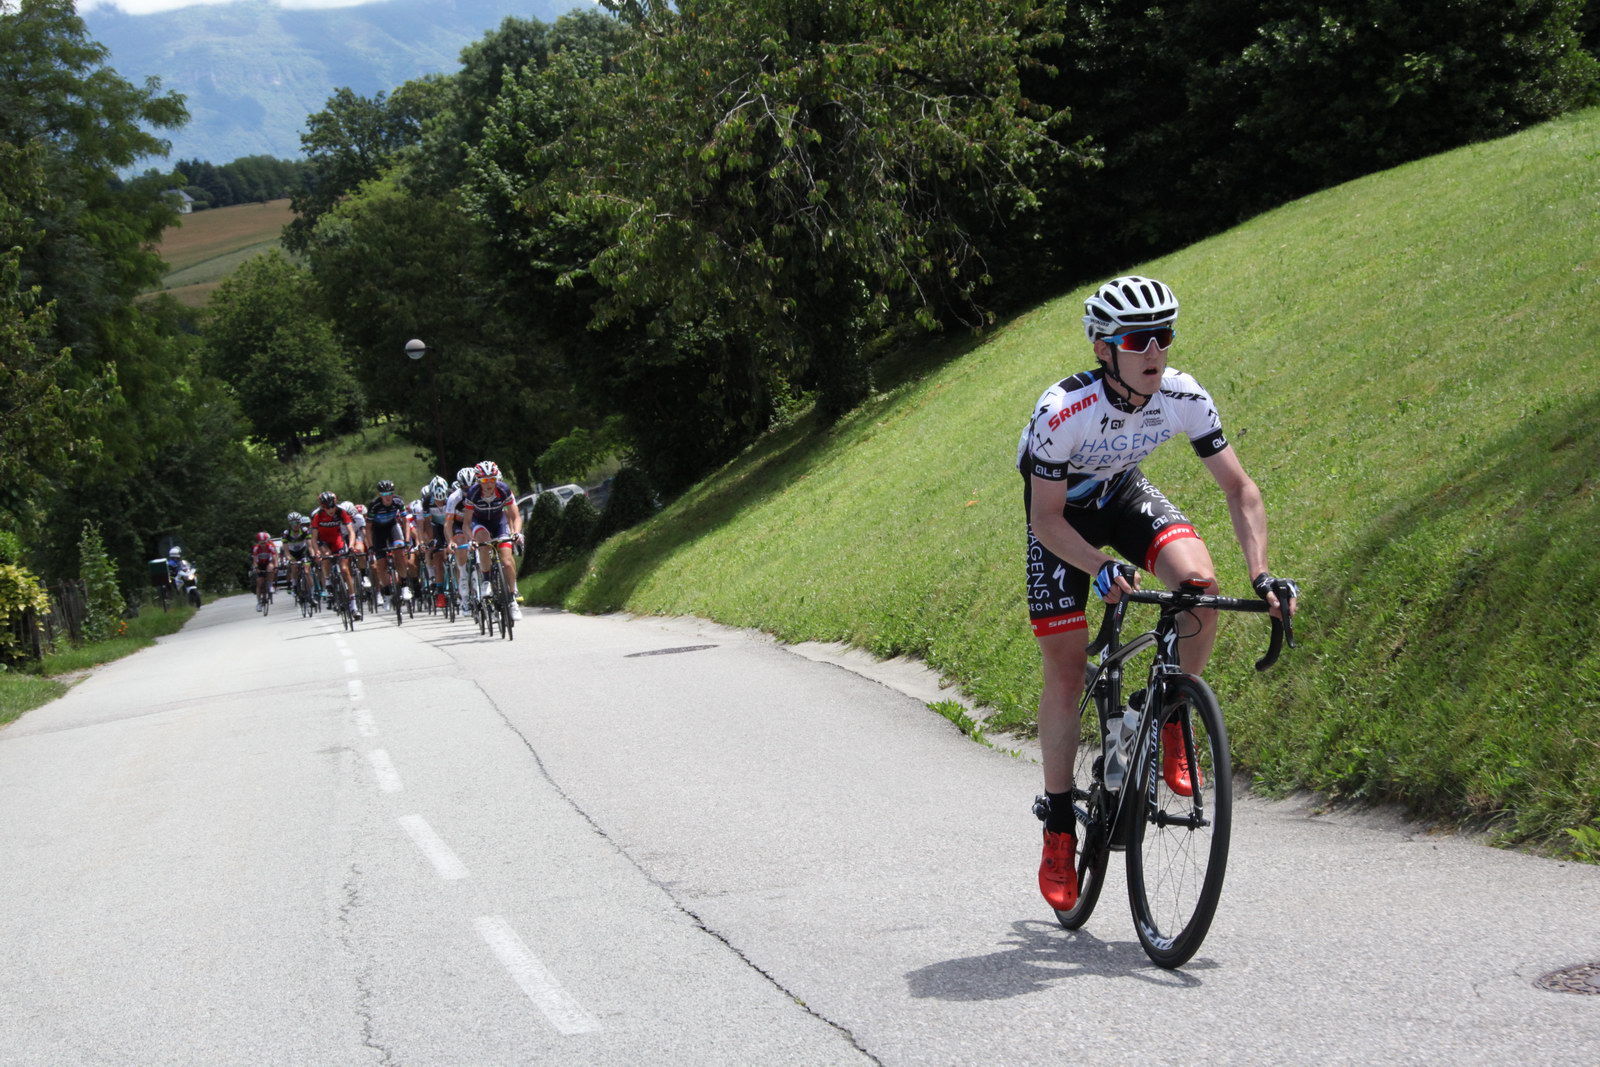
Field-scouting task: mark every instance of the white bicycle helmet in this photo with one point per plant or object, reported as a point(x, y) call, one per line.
point(1128, 303)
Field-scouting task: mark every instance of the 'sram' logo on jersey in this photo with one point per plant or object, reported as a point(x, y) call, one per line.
point(1067, 412)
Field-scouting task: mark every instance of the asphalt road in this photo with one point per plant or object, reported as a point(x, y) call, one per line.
point(649, 841)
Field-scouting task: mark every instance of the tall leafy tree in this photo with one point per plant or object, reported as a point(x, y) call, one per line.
point(267, 339)
point(33, 428)
point(352, 140)
point(391, 267)
point(793, 167)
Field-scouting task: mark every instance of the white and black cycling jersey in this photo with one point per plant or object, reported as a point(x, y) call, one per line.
point(456, 505)
point(1080, 435)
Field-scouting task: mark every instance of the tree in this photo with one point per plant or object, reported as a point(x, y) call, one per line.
point(791, 169)
point(33, 426)
point(351, 141)
point(392, 266)
point(267, 339)
point(101, 595)
point(1261, 101)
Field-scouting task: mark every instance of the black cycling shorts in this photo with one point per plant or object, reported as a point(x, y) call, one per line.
point(386, 536)
point(1137, 520)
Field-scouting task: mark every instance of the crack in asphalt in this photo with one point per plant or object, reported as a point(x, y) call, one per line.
point(666, 891)
point(363, 1007)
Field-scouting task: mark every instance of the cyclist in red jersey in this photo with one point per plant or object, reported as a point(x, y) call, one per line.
point(333, 526)
point(264, 557)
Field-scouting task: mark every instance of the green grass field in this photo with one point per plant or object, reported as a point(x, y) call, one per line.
point(1406, 364)
point(207, 246)
point(351, 466)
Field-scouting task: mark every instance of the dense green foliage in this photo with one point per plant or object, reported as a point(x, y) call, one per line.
point(684, 222)
point(266, 338)
point(248, 180)
point(1261, 101)
point(1406, 366)
point(102, 599)
point(105, 412)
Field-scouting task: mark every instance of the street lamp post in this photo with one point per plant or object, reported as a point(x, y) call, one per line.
point(416, 349)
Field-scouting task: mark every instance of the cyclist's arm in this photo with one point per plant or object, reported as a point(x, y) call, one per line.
point(1246, 509)
point(514, 514)
point(1050, 526)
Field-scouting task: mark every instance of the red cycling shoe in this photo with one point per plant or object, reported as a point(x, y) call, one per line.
point(1058, 873)
point(1174, 764)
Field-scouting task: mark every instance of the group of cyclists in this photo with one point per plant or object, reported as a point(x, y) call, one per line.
point(401, 548)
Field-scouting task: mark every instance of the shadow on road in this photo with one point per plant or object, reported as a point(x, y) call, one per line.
point(1037, 955)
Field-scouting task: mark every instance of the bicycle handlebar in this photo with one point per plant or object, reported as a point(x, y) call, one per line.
point(1282, 629)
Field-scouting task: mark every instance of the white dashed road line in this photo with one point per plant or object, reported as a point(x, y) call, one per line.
point(446, 862)
point(383, 768)
point(564, 1013)
point(357, 690)
point(365, 726)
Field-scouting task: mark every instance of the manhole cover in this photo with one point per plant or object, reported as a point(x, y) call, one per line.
point(1584, 978)
point(668, 651)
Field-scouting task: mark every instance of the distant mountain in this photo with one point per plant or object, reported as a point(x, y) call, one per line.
point(252, 71)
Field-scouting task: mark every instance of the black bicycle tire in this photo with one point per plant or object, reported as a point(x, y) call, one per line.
point(1174, 949)
point(1094, 842)
point(1092, 867)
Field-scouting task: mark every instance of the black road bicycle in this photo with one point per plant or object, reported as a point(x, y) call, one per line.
point(338, 594)
point(499, 596)
point(1176, 844)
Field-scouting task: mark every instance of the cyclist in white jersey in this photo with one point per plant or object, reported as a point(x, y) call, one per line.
point(1079, 458)
point(455, 508)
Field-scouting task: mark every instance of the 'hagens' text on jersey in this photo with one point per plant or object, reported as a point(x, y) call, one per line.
point(1078, 434)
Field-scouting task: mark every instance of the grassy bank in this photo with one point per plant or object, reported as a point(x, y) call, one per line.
point(1406, 365)
point(21, 692)
point(351, 466)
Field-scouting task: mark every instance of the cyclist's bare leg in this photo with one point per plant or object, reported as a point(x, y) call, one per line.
point(1180, 561)
point(399, 567)
point(480, 537)
point(1066, 655)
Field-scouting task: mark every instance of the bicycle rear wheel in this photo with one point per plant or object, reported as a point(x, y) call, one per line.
point(1093, 808)
point(1178, 845)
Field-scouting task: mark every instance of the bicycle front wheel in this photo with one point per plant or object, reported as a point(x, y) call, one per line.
point(1178, 844)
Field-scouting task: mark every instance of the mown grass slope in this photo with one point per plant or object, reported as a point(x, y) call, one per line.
point(205, 247)
point(351, 466)
point(1407, 366)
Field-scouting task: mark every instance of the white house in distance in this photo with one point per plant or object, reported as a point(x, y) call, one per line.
point(184, 200)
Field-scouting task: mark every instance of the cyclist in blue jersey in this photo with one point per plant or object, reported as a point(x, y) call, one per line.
point(491, 514)
point(388, 539)
point(1079, 458)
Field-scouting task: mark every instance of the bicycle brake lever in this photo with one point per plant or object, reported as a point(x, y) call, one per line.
point(1281, 589)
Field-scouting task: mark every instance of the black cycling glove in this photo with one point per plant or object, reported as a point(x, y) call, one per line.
point(1105, 579)
point(1264, 583)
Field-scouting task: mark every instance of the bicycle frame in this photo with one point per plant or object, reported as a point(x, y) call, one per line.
point(1107, 693)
